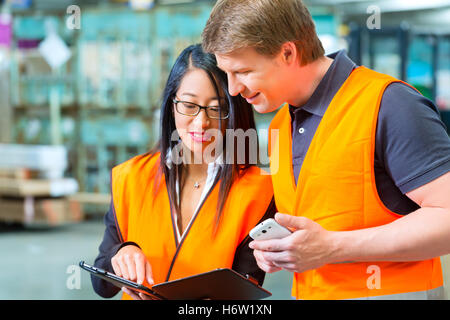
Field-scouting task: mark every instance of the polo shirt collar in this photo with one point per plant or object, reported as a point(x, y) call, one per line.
point(335, 77)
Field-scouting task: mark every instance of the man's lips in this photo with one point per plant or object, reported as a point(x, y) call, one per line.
point(252, 98)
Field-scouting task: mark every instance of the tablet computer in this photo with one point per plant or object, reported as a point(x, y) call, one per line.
point(119, 281)
point(218, 284)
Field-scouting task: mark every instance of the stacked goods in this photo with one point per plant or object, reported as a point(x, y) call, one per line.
point(33, 188)
point(44, 161)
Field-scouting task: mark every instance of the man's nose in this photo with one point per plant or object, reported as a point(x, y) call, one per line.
point(234, 86)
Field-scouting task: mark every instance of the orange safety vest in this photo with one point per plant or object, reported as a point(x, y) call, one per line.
point(336, 188)
point(146, 219)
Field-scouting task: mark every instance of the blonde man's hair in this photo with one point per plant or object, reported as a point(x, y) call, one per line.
point(263, 25)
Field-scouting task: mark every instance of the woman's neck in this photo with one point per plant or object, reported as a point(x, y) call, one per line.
point(197, 171)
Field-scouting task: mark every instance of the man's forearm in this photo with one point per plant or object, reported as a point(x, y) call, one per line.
point(420, 235)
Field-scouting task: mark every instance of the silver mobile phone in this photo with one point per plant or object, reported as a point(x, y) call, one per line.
point(269, 229)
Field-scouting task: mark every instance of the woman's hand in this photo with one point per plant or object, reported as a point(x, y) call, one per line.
point(130, 263)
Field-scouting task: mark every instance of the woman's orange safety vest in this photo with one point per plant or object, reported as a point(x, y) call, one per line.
point(146, 219)
point(336, 188)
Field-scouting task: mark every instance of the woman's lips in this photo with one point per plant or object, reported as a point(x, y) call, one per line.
point(200, 136)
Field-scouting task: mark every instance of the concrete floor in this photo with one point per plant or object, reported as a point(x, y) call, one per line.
point(41, 263)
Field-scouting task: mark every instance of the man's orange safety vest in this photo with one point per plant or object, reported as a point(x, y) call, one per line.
point(336, 188)
point(144, 217)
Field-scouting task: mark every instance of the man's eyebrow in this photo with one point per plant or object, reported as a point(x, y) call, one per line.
point(237, 70)
point(233, 69)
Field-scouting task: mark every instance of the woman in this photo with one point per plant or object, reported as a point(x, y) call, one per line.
point(187, 206)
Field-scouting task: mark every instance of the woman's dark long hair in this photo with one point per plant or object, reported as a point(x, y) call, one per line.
point(240, 117)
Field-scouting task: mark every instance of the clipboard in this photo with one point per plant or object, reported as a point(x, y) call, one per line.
point(219, 284)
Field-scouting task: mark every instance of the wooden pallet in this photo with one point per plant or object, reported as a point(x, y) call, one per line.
point(20, 187)
point(31, 210)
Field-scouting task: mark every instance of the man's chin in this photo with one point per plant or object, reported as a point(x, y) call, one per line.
point(264, 108)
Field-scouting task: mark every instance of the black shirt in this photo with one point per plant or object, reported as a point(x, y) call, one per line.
point(412, 146)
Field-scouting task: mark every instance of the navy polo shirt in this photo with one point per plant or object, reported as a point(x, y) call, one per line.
point(412, 146)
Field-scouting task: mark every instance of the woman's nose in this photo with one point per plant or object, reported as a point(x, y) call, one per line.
point(201, 119)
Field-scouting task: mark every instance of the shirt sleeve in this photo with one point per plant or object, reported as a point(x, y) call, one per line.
point(412, 143)
point(109, 246)
point(244, 261)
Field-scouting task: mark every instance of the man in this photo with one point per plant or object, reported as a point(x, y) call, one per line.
point(363, 164)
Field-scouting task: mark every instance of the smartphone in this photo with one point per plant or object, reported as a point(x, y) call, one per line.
point(269, 229)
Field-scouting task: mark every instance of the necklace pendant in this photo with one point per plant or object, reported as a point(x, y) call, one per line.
point(196, 185)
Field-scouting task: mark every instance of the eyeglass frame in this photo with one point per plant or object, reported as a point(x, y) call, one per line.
point(175, 101)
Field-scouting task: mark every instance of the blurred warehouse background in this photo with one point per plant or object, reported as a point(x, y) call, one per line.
point(80, 84)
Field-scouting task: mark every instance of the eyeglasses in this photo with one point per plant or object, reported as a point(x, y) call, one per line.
point(192, 109)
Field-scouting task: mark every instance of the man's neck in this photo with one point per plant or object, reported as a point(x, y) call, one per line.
point(309, 79)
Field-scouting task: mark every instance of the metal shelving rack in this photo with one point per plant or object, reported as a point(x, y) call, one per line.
point(403, 42)
point(109, 91)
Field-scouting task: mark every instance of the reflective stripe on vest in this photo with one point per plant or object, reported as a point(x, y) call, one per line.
point(144, 216)
point(336, 188)
point(433, 294)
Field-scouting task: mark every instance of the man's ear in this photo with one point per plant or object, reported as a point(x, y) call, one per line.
point(289, 53)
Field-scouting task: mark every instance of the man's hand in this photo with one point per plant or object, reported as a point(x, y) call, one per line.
point(308, 247)
point(130, 263)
